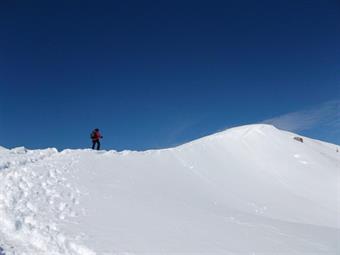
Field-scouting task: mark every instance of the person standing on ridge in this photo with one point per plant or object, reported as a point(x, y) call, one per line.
point(96, 136)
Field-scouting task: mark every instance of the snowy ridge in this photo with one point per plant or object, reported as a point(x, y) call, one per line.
point(246, 190)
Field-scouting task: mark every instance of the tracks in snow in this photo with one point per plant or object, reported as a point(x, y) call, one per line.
point(34, 197)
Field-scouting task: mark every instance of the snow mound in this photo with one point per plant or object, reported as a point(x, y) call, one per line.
point(246, 190)
point(2, 149)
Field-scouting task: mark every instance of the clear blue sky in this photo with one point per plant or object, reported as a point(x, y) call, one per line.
point(152, 74)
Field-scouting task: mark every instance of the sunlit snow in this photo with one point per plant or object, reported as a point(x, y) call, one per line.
point(247, 190)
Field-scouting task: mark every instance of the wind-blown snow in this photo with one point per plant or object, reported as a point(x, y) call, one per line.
point(247, 190)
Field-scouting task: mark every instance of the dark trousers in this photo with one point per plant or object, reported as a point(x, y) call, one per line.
point(94, 143)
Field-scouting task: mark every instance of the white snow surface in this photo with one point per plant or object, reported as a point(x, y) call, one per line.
point(247, 190)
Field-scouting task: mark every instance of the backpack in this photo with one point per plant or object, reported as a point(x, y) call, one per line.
point(93, 135)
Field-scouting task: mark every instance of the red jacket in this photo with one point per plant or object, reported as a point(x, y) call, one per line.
point(96, 136)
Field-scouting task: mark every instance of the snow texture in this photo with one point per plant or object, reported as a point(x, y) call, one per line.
point(247, 190)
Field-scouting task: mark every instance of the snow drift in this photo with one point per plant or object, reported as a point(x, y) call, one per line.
point(247, 190)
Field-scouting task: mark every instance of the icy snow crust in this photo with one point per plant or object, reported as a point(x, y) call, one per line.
point(247, 190)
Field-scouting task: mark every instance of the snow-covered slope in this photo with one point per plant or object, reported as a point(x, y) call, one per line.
point(247, 190)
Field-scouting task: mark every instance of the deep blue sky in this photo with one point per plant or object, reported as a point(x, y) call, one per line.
point(152, 74)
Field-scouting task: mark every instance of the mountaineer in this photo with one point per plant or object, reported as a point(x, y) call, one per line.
point(96, 136)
